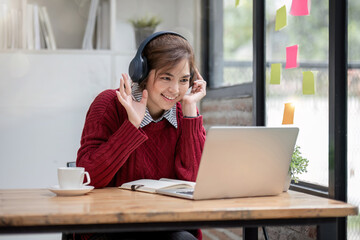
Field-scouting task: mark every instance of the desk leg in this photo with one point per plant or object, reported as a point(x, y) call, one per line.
point(335, 230)
point(250, 233)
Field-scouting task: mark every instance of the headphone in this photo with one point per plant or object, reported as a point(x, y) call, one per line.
point(138, 68)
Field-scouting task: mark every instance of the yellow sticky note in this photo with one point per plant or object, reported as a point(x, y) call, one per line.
point(275, 75)
point(308, 84)
point(288, 113)
point(281, 18)
point(237, 2)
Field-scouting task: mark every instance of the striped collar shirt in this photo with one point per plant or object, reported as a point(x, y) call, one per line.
point(169, 115)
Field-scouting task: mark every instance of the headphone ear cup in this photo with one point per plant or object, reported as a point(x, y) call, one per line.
point(138, 69)
point(135, 67)
point(144, 69)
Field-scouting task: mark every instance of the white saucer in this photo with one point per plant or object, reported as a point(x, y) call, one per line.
point(70, 192)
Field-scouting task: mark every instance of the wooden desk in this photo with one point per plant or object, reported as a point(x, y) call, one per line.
point(112, 209)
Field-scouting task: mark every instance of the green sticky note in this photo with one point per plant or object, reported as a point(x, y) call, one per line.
point(281, 18)
point(308, 83)
point(275, 73)
point(237, 2)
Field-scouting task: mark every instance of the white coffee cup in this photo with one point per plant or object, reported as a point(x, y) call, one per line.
point(72, 177)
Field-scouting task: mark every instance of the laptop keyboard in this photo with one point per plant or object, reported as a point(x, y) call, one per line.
point(187, 192)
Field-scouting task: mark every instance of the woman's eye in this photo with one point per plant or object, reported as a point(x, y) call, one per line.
point(184, 80)
point(165, 78)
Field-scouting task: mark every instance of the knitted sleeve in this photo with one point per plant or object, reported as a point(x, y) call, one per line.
point(189, 147)
point(107, 140)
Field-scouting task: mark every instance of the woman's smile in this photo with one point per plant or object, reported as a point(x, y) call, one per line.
point(168, 97)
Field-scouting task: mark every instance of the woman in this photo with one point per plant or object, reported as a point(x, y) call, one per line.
point(152, 128)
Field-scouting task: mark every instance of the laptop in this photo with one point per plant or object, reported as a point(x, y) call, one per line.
point(242, 162)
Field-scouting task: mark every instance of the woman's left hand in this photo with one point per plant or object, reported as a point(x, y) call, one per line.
point(198, 91)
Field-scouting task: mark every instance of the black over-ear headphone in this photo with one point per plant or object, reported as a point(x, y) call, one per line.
point(138, 68)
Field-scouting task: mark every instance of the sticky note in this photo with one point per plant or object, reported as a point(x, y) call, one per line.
point(308, 84)
point(237, 2)
point(288, 113)
point(291, 56)
point(281, 18)
point(275, 75)
point(300, 7)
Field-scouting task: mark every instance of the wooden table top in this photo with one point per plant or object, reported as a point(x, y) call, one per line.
point(39, 207)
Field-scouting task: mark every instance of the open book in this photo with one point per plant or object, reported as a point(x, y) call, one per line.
point(151, 186)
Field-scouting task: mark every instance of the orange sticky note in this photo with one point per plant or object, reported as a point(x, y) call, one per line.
point(291, 56)
point(300, 7)
point(288, 113)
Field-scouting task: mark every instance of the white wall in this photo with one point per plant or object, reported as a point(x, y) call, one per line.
point(43, 102)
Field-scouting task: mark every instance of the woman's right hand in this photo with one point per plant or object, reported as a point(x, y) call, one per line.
point(135, 110)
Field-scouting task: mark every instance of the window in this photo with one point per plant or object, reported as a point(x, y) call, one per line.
point(326, 124)
point(231, 64)
point(311, 115)
point(230, 43)
point(237, 43)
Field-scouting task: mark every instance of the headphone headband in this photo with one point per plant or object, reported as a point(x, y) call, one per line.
point(138, 68)
point(152, 37)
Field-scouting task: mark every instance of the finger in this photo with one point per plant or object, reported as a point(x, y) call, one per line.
point(121, 88)
point(202, 84)
point(197, 85)
point(200, 88)
point(200, 81)
point(195, 88)
point(120, 98)
point(198, 75)
point(127, 84)
point(144, 97)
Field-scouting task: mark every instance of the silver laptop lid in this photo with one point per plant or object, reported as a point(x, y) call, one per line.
point(245, 161)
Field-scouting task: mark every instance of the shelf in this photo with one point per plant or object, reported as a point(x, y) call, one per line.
point(61, 24)
point(70, 52)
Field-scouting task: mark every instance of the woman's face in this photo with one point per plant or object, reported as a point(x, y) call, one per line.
point(167, 87)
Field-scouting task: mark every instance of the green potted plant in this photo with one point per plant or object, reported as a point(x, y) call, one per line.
point(144, 27)
point(298, 165)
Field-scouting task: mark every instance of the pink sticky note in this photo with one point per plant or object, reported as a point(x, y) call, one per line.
point(291, 56)
point(300, 7)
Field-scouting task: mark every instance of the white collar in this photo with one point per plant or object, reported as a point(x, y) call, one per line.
point(169, 115)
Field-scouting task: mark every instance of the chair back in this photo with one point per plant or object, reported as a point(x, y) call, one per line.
point(71, 164)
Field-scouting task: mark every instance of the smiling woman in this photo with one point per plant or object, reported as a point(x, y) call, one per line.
point(149, 128)
point(167, 88)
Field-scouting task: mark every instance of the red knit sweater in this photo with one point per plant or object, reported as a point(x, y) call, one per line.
point(113, 151)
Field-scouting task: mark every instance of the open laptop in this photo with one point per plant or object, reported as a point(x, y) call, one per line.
point(242, 162)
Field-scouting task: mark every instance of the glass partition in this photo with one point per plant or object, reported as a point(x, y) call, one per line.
point(231, 51)
point(311, 111)
point(238, 46)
